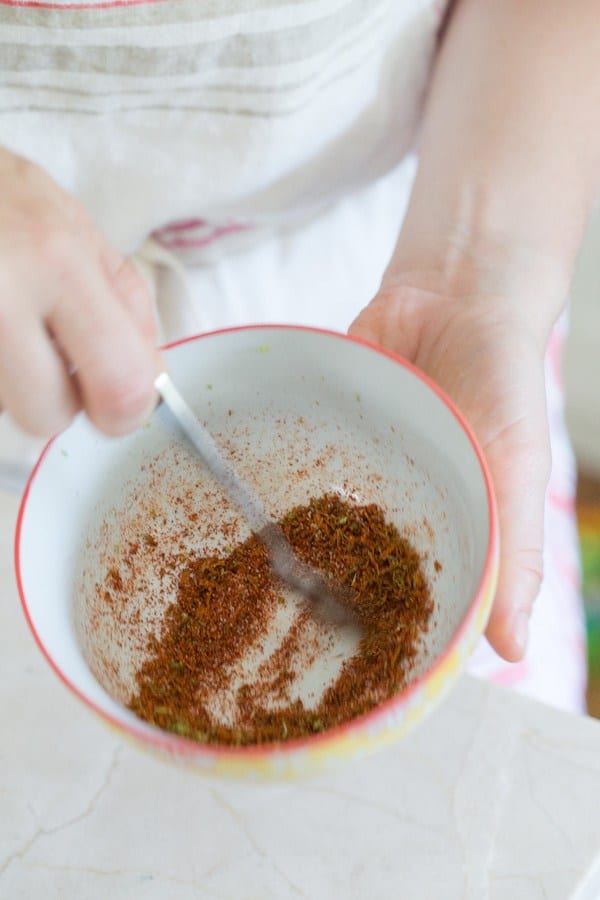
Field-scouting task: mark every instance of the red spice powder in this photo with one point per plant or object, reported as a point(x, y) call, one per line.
point(225, 606)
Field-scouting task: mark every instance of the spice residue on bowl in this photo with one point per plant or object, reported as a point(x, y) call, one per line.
point(194, 682)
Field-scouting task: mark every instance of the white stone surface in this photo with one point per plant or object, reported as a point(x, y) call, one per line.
point(493, 798)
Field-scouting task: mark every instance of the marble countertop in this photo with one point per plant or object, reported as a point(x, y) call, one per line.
point(492, 797)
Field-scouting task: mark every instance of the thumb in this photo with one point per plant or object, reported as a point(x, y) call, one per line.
point(136, 296)
point(520, 493)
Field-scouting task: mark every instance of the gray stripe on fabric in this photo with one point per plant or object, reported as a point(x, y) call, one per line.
point(174, 106)
point(365, 42)
point(289, 45)
point(162, 12)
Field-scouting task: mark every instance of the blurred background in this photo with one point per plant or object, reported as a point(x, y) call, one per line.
point(582, 382)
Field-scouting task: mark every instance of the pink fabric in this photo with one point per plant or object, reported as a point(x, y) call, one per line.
point(100, 4)
point(196, 233)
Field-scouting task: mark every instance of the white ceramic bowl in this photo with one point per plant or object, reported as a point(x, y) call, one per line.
point(303, 412)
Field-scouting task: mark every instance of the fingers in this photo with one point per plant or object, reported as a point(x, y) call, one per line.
point(110, 349)
point(493, 370)
point(520, 491)
point(38, 395)
point(520, 462)
point(132, 290)
point(138, 299)
point(102, 357)
point(389, 314)
point(76, 321)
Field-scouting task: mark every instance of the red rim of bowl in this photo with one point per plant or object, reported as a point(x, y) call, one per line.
point(182, 746)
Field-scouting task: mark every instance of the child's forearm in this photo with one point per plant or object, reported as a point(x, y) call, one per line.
point(509, 154)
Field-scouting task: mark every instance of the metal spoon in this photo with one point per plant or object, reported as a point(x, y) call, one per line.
point(285, 563)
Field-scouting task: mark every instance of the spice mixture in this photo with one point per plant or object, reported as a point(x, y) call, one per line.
point(226, 604)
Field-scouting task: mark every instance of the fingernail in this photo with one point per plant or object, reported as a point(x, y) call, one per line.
point(521, 630)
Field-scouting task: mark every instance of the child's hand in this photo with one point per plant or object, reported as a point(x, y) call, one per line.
point(484, 355)
point(509, 169)
point(77, 326)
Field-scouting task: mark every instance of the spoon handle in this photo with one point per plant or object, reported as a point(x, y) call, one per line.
point(203, 442)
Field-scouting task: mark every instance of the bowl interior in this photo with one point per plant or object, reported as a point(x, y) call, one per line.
point(300, 413)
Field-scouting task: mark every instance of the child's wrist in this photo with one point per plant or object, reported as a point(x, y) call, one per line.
point(472, 260)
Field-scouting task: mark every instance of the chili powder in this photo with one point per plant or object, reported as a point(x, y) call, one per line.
point(225, 605)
